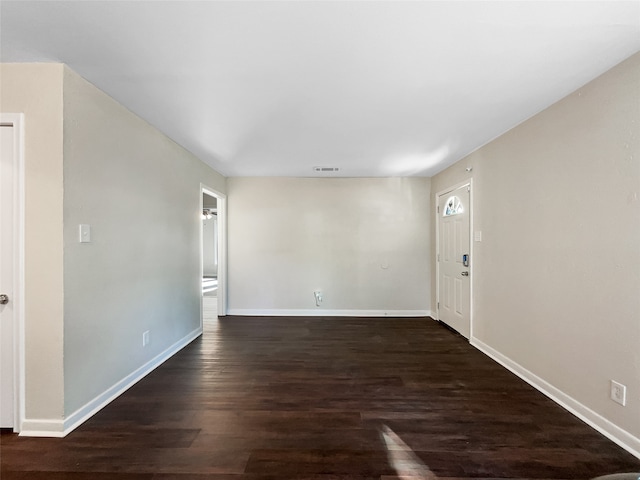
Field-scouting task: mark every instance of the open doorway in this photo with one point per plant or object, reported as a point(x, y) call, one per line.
point(213, 255)
point(209, 257)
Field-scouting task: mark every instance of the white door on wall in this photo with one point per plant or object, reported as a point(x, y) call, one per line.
point(7, 320)
point(454, 280)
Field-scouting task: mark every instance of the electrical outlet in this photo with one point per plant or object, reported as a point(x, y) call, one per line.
point(618, 393)
point(146, 338)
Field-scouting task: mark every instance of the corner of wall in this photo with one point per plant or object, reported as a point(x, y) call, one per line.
point(35, 90)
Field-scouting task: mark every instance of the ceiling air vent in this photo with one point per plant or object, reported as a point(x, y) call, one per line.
point(325, 169)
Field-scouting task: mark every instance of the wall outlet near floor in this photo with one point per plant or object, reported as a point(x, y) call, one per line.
point(146, 338)
point(618, 393)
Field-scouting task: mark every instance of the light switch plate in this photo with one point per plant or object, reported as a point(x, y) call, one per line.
point(85, 233)
point(477, 236)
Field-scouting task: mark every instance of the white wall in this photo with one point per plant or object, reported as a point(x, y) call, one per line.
point(36, 91)
point(140, 192)
point(556, 276)
point(363, 242)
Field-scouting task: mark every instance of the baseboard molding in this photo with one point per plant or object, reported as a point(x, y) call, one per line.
point(614, 433)
point(33, 427)
point(61, 428)
point(247, 312)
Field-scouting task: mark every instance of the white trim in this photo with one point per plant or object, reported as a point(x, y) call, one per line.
point(454, 187)
point(222, 255)
point(250, 312)
point(472, 256)
point(60, 428)
point(201, 247)
point(614, 433)
point(221, 206)
point(19, 386)
point(35, 427)
point(469, 183)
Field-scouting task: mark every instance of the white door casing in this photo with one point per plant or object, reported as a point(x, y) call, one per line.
point(11, 270)
point(454, 277)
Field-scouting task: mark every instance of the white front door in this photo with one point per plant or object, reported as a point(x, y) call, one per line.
point(7, 320)
point(454, 280)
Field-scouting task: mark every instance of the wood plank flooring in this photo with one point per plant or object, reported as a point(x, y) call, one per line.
point(306, 398)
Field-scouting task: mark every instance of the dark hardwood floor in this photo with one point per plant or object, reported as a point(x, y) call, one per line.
point(306, 398)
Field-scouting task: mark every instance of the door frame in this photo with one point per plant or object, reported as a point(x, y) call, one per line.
point(469, 183)
point(222, 247)
point(16, 120)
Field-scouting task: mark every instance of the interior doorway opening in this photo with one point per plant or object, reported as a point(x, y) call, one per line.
point(209, 245)
point(213, 254)
point(209, 257)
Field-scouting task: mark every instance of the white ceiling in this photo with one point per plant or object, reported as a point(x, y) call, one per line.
point(376, 88)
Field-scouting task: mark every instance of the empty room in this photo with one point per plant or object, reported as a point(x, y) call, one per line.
point(319, 240)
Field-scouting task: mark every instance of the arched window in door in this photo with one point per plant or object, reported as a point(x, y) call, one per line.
point(452, 207)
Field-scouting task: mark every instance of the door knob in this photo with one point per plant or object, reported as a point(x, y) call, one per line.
point(4, 299)
point(465, 274)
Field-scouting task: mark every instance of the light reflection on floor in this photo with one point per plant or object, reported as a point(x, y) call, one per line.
point(409, 466)
point(402, 458)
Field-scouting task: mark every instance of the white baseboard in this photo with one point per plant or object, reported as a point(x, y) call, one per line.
point(61, 428)
point(248, 312)
point(33, 427)
point(614, 433)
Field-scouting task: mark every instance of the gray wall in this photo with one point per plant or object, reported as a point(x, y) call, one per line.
point(363, 241)
point(36, 91)
point(89, 160)
point(140, 192)
point(555, 278)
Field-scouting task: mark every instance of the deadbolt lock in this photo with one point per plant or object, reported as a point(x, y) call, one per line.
point(4, 299)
